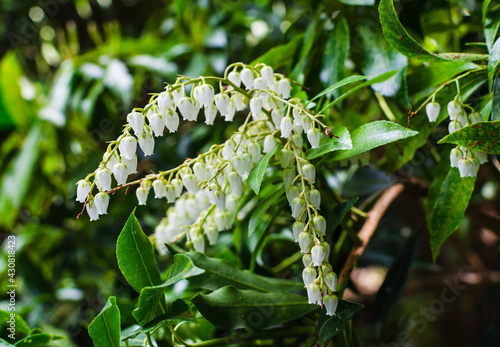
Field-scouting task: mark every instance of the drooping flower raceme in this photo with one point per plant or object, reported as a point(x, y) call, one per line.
point(204, 192)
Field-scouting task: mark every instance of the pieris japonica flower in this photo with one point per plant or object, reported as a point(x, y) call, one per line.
point(165, 101)
point(246, 76)
point(159, 188)
point(82, 191)
point(454, 126)
point(269, 143)
point(136, 121)
point(307, 259)
point(268, 73)
point(222, 102)
point(178, 186)
point(309, 275)
point(331, 303)
point(286, 127)
point(219, 199)
point(170, 192)
point(142, 195)
point(204, 94)
point(462, 118)
point(190, 183)
point(254, 151)
point(320, 224)
point(128, 146)
point(103, 178)
point(314, 198)
point(481, 157)
point(330, 279)
point(277, 117)
point(92, 210)
point(314, 136)
point(454, 109)
point(286, 156)
point(305, 241)
point(198, 243)
point(171, 120)
point(298, 205)
point(200, 171)
point(297, 228)
point(455, 156)
point(292, 192)
point(187, 108)
point(432, 110)
point(101, 202)
point(234, 77)
point(468, 167)
point(318, 253)
point(284, 88)
point(231, 111)
point(255, 107)
point(210, 114)
point(297, 140)
point(288, 177)
point(236, 183)
point(120, 173)
point(157, 124)
point(309, 172)
point(475, 117)
point(314, 293)
point(147, 143)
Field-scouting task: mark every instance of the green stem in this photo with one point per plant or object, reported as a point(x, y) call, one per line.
point(286, 262)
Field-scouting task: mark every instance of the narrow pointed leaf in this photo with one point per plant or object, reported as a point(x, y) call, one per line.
point(37, 340)
point(329, 326)
point(105, 328)
point(493, 62)
point(345, 81)
point(328, 145)
point(258, 171)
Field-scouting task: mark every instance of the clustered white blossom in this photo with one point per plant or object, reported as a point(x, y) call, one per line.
point(205, 191)
point(466, 160)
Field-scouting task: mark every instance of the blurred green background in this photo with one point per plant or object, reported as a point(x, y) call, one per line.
point(70, 71)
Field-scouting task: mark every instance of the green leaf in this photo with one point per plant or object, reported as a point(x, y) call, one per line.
point(493, 62)
point(481, 136)
point(257, 173)
point(338, 213)
point(232, 308)
point(4, 343)
point(491, 22)
point(396, 277)
point(21, 326)
point(219, 273)
point(451, 199)
point(336, 54)
point(298, 73)
point(329, 145)
point(152, 301)
point(379, 79)
point(37, 340)
point(329, 326)
point(263, 207)
point(397, 36)
point(380, 57)
point(280, 56)
point(495, 102)
point(372, 135)
point(347, 80)
point(135, 255)
point(105, 328)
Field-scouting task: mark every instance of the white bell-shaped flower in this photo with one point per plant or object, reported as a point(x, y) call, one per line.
point(455, 156)
point(254, 151)
point(170, 192)
point(236, 183)
point(286, 156)
point(331, 302)
point(131, 164)
point(82, 190)
point(157, 124)
point(246, 76)
point(475, 117)
point(454, 126)
point(234, 77)
point(128, 146)
point(103, 178)
point(101, 202)
point(111, 160)
point(462, 118)
point(255, 106)
point(171, 120)
point(147, 143)
point(165, 102)
point(286, 126)
point(120, 173)
point(297, 140)
point(314, 137)
point(204, 94)
point(177, 95)
point(318, 253)
point(297, 228)
point(269, 143)
point(330, 279)
point(190, 183)
point(468, 167)
point(314, 197)
point(200, 171)
point(277, 117)
point(210, 114)
point(314, 294)
point(454, 109)
point(309, 172)
point(288, 177)
point(309, 275)
point(298, 206)
point(306, 123)
point(159, 188)
point(284, 88)
point(481, 157)
point(136, 121)
point(177, 183)
point(212, 234)
point(320, 224)
point(187, 108)
point(198, 243)
point(231, 111)
point(307, 259)
point(92, 210)
point(268, 73)
point(142, 195)
point(305, 240)
point(292, 192)
point(220, 199)
point(222, 101)
point(239, 101)
point(432, 109)
point(260, 83)
point(247, 163)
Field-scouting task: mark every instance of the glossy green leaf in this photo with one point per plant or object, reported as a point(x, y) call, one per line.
point(491, 23)
point(135, 255)
point(263, 207)
point(21, 327)
point(399, 38)
point(4, 343)
point(396, 277)
point(105, 328)
point(345, 81)
point(232, 308)
point(219, 273)
point(335, 56)
point(330, 326)
point(328, 145)
point(481, 136)
point(280, 56)
point(338, 213)
point(37, 340)
point(452, 197)
point(493, 62)
point(379, 57)
point(495, 101)
point(372, 135)
point(152, 301)
point(258, 171)
point(378, 79)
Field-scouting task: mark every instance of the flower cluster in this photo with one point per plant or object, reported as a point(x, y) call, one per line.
point(205, 191)
point(466, 160)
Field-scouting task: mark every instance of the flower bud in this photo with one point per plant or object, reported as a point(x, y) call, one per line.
point(288, 177)
point(120, 173)
point(136, 121)
point(101, 202)
point(268, 73)
point(260, 83)
point(171, 120)
point(314, 294)
point(286, 157)
point(131, 164)
point(128, 146)
point(284, 88)
point(198, 243)
point(330, 279)
point(269, 143)
point(475, 117)
point(297, 228)
point(210, 113)
point(432, 110)
point(277, 117)
point(82, 190)
point(297, 140)
point(318, 253)
point(298, 206)
point(204, 94)
point(286, 127)
point(200, 171)
point(314, 136)
point(255, 107)
point(307, 259)
point(190, 183)
point(309, 275)
point(142, 195)
point(234, 77)
point(103, 177)
point(178, 187)
point(247, 162)
point(254, 151)
point(212, 234)
point(157, 124)
point(481, 157)
point(462, 118)
point(235, 182)
point(159, 188)
point(187, 108)
point(305, 240)
point(147, 143)
point(231, 111)
point(454, 126)
point(306, 123)
point(220, 199)
point(246, 76)
point(165, 101)
point(468, 167)
point(309, 172)
point(455, 156)
point(292, 192)
point(92, 210)
point(330, 301)
point(320, 224)
point(454, 109)
point(170, 192)
point(314, 198)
